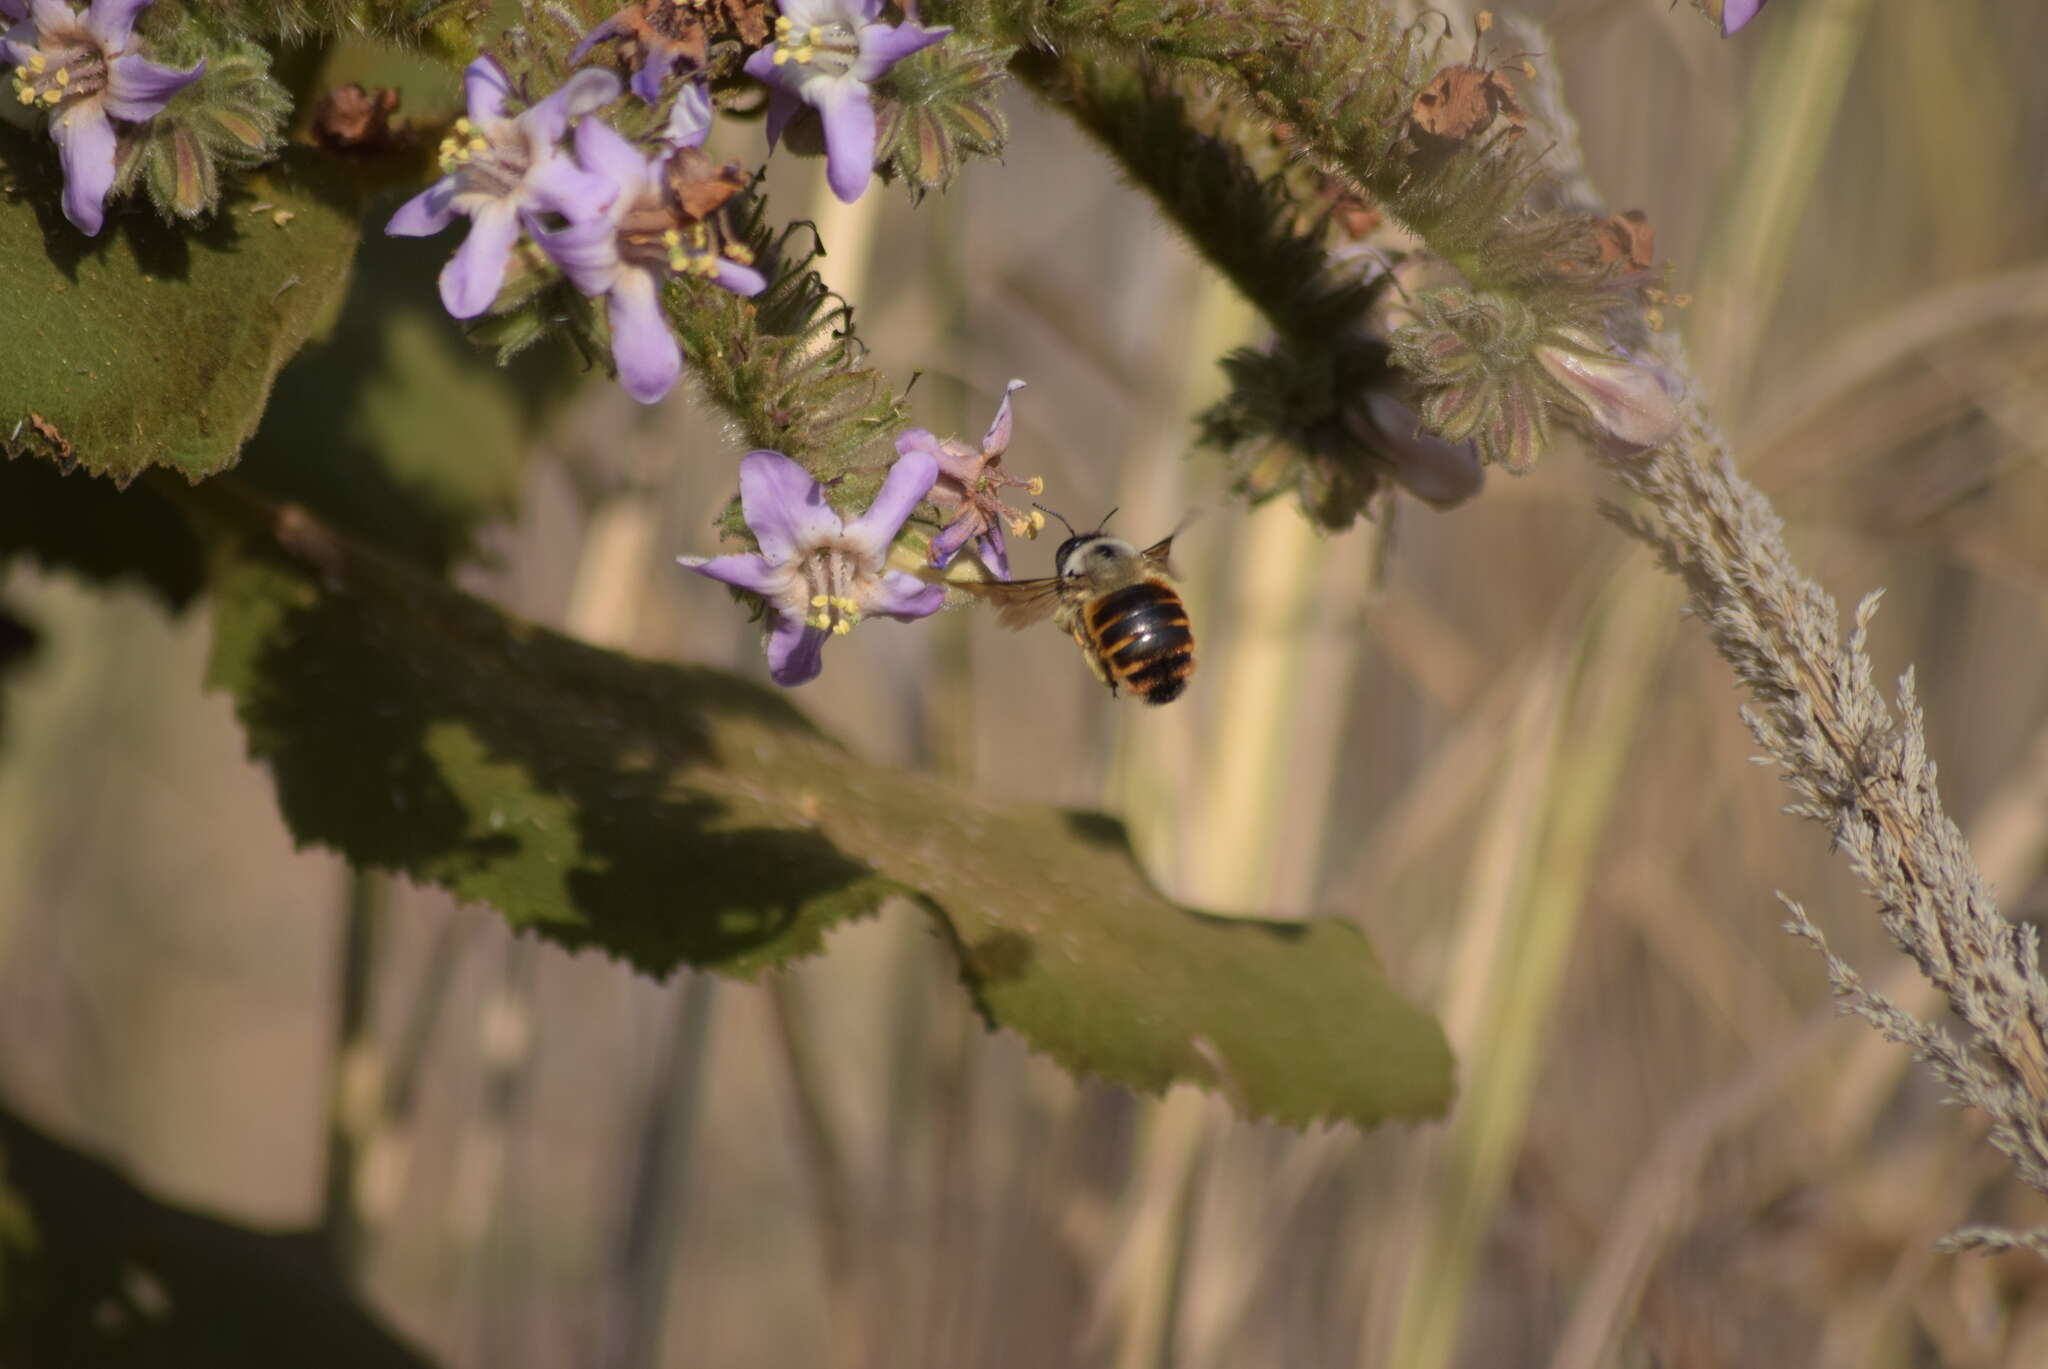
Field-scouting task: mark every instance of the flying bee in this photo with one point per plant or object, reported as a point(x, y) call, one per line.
point(1121, 606)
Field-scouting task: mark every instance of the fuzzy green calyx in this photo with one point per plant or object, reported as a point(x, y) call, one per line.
point(940, 110)
point(1470, 355)
point(231, 119)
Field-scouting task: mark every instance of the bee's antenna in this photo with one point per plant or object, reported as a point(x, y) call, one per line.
point(1105, 519)
point(1062, 517)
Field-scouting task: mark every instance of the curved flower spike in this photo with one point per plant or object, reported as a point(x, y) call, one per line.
point(822, 573)
point(826, 54)
point(502, 173)
point(85, 70)
point(971, 483)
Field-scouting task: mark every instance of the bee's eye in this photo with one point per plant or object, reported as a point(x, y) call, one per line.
point(1103, 554)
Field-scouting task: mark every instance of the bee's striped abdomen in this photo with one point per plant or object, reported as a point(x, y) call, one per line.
point(1141, 633)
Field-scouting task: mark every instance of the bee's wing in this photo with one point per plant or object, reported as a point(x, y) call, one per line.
point(1019, 603)
point(1156, 555)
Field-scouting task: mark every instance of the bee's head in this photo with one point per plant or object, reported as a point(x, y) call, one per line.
point(1092, 555)
point(1089, 553)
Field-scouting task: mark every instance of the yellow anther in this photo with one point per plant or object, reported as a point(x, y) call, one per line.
point(1037, 522)
point(803, 56)
point(841, 628)
point(63, 76)
point(740, 252)
point(819, 600)
point(783, 25)
point(478, 145)
point(781, 56)
point(816, 35)
point(39, 64)
point(463, 125)
point(671, 238)
point(1036, 485)
point(51, 97)
point(25, 95)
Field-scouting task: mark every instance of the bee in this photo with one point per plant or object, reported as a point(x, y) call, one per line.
point(1120, 605)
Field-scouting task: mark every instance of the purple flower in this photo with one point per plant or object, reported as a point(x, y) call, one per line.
point(826, 54)
point(1634, 403)
point(971, 483)
point(1736, 13)
point(502, 173)
point(83, 68)
point(1433, 469)
point(819, 572)
point(664, 219)
point(657, 36)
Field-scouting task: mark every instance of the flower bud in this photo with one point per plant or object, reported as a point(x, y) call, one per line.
point(1628, 402)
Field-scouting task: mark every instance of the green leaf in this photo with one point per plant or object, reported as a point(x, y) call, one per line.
point(396, 429)
point(154, 346)
point(93, 1271)
point(74, 523)
point(680, 816)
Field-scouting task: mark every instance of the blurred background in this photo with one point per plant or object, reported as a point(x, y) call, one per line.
point(1485, 736)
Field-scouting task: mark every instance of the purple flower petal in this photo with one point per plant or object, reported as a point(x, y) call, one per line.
point(906, 485)
point(85, 145)
point(13, 9)
point(746, 571)
point(994, 554)
point(654, 69)
point(882, 47)
point(643, 348)
point(741, 280)
point(849, 136)
point(689, 118)
point(954, 536)
point(470, 280)
point(558, 184)
point(601, 149)
point(113, 21)
point(485, 89)
point(782, 107)
point(996, 440)
point(917, 440)
point(138, 88)
point(426, 213)
point(804, 14)
point(1433, 469)
point(610, 28)
point(902, 596)
point(784, 507)
point(796, 653)
point(587, 252)
point(1736, 13)
point(590, 88)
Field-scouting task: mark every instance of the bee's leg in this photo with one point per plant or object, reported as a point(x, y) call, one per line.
point(1095, 661)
